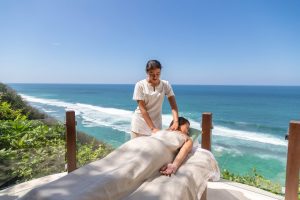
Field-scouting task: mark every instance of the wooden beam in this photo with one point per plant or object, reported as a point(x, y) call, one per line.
point(71, 140)
point(293, 162)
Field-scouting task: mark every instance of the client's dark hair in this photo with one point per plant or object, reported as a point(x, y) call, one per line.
point(181, 121)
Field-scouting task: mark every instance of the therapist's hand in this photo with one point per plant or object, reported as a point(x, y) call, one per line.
point(174, 126)
point(154, 130)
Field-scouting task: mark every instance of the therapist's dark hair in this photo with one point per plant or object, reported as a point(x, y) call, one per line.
point(181, 121)
point(153, 64)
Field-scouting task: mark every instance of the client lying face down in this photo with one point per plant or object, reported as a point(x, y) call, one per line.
point(183, 129)
point(122, 171)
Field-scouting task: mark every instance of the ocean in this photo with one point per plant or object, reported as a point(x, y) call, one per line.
point(250, 122)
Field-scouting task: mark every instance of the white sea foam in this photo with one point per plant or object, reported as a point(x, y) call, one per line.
point(92, 116)
point(219, 151)
point(111, 117)
point(47, 111)
point(247, 135)
point(269, 156)
point(51, 102)
point(219, 148)
point(119, 119)
point(237, 134)
point(231, 151)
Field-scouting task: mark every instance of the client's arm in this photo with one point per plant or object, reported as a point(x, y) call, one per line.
point(171, 168)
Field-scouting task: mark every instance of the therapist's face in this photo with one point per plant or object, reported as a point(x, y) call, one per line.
point(154, 76)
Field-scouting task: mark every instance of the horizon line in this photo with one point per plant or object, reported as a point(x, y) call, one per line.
point(179, 84)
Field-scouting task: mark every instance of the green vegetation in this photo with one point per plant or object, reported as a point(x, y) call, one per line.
point(16, 102)
point(253, 179)
point(256, 180)
point(31, 146)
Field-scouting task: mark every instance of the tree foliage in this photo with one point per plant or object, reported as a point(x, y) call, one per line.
point(17, 103)
point(32, 148)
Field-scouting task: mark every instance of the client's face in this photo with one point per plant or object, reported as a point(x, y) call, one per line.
point(185, 128)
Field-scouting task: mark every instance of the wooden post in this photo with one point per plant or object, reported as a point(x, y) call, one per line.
point(206, 138)
point(206, 131)
point(293, 162)
point(71, 140)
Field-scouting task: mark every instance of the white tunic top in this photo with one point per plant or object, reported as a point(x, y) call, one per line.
point(153, 98)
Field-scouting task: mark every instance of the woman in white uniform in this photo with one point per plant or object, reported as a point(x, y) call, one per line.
point(149, 94)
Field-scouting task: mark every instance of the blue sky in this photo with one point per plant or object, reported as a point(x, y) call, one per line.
point(225, 42)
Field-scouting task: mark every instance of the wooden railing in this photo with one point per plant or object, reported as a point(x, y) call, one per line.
point(293, 155)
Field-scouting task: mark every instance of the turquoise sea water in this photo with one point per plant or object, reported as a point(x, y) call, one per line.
point(250, 122)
